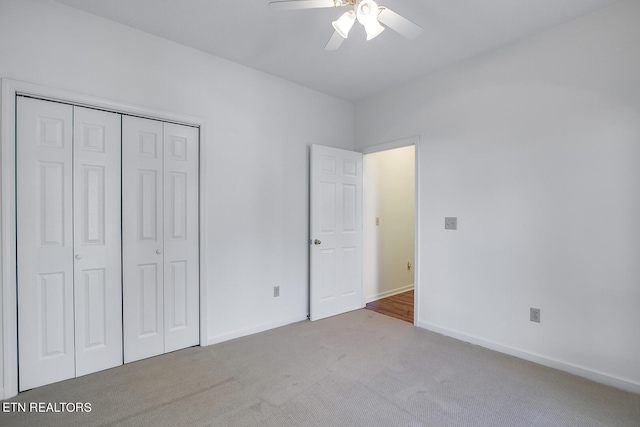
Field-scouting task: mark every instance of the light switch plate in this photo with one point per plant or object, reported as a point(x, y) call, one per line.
point(450, 223)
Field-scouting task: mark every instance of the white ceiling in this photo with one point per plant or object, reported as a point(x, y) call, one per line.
point(290, 44)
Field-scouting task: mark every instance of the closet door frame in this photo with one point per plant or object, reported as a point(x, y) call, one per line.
point(9, 89)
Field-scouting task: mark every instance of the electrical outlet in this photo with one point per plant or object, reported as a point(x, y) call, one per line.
point(409, 265)
point(276, 291)
point(534, 315)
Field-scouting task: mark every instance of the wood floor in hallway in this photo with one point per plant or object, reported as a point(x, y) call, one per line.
point(399, 306)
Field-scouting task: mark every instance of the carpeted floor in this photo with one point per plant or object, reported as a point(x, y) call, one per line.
point(357, 369)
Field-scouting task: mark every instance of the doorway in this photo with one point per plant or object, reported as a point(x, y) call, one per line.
point(389, 231)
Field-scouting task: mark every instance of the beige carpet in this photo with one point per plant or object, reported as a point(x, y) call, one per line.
point(358, 369)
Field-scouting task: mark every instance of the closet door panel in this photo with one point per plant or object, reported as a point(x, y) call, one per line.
point(143, 238)
point(45, 242)
point(181, 258)
point(97, 237)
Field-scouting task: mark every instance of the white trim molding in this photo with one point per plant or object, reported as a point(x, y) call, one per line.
point(239, 333)
point(397, 143)
point(9, 89)
point(388, 294)
point(582, 371)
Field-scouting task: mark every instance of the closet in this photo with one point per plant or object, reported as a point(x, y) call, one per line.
point(107, 239)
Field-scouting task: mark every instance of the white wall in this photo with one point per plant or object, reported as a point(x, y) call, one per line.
point(258, 129)
point(389, 193)
point(535, 147)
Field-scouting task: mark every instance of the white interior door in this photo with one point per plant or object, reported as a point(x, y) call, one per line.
point(181, 240)
point(336, 231)
point(143, 238)
point(45, 242)
point(97, 236)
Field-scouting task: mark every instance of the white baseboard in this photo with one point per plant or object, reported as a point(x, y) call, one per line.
point(591, 374)
point(390, 293)
point(254, 330)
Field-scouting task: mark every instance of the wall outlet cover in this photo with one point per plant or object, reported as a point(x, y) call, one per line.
point(276, 291)
point(534, 315)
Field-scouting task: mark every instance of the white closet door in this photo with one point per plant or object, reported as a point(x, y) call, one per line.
point(45, 242)
point(97, 271)
point(143, 240)
point(181, 242)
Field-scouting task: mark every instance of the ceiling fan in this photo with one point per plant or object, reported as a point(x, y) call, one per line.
point(374, 18)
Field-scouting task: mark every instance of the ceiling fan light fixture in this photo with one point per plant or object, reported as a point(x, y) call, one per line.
point(373, 18)
point(367, 14)
point(373, 29)
point(367, 10)
point(343, 24)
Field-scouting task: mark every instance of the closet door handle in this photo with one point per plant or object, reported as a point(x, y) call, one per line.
point(78, 256)
point(158, 251)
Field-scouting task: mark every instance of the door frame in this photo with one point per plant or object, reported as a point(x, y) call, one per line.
point(400, 143)
point(9, 89)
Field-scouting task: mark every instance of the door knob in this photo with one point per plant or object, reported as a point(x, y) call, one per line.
point(158, 251)
point(317, 242)
point(78, 256)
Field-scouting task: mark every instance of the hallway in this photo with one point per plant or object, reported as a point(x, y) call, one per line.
point(399, 306)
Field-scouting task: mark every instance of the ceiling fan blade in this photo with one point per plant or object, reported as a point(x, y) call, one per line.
point(399, 23)
point(334, 42)
point(301, 4)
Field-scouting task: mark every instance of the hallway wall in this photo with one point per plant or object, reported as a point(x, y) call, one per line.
point(389, 194)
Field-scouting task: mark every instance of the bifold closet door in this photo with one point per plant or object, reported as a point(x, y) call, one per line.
point(44, 204)
point(181, 237)
point(97, 240)
point(160, 237)
point(142, 238)
point(68, 247)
